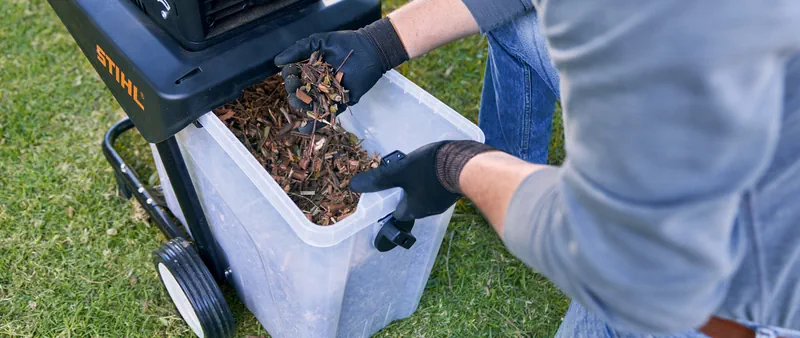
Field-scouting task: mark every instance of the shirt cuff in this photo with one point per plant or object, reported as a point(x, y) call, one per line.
point(522, 225)
point(490, 14)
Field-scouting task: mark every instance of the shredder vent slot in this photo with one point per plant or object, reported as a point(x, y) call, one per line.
point(140, 5)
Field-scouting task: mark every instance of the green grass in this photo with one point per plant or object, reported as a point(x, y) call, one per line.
point(64, 274)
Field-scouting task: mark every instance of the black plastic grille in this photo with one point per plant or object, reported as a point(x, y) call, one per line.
point(140, 5)
point(216, 10)
point(224, 15)
point(198, 20)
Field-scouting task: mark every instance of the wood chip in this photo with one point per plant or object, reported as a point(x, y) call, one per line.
point(299, 175)
point(319, 144)
point(304, 163)
point(335, 207)
point(303, 96)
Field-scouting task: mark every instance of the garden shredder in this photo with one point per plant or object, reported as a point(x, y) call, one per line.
point(168, 63)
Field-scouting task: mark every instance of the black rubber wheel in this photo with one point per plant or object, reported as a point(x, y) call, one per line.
point(192, 288)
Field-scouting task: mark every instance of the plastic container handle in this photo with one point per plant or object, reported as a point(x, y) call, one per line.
point(394, 233)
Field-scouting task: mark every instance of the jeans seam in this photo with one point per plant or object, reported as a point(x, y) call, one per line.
point(526, 129)
point(760, 265)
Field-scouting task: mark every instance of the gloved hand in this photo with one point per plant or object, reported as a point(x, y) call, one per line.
point(429, 176)
point(375, 48)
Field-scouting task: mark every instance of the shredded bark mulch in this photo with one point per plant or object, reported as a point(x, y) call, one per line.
point(314, 170)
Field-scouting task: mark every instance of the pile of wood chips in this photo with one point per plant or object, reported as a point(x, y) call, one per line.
point(314, 170)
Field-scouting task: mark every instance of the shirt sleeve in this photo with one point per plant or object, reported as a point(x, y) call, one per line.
point(672, 113)
point(490, 14)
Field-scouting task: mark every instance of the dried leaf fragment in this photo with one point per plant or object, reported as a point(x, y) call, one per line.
point(226, 114)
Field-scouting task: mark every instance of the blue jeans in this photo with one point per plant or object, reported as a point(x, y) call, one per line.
point(520, 90)
point(579, 323)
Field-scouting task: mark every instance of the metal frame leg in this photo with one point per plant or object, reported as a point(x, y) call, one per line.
point(183, 187)
point(129, 184)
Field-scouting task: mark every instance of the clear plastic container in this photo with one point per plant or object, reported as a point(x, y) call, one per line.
point(301, 279)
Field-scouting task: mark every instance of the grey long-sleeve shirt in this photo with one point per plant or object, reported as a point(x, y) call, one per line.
point(680, 194)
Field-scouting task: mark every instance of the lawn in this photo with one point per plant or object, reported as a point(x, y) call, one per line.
point(75, 258)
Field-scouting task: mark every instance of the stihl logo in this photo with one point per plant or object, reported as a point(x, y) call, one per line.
point(119, 75)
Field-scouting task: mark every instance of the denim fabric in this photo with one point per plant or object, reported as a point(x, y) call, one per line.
point(491, 14)
point(520, 90)
point(579, 323)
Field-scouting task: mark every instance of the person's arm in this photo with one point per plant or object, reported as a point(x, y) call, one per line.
point(408, 32)
point(424, 25)
point(673, 112)
point(490, 179)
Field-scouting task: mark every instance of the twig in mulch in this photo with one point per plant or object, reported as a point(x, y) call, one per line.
point(314, 170)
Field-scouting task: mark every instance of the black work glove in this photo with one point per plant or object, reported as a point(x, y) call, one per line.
point(375, 50)
point(429, 176)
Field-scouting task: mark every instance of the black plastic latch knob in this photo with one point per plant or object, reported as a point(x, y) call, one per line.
point(394, 233)
point(394, 156)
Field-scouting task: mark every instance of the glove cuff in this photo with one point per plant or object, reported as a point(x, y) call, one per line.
point(384, 38)
point(451, 159)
